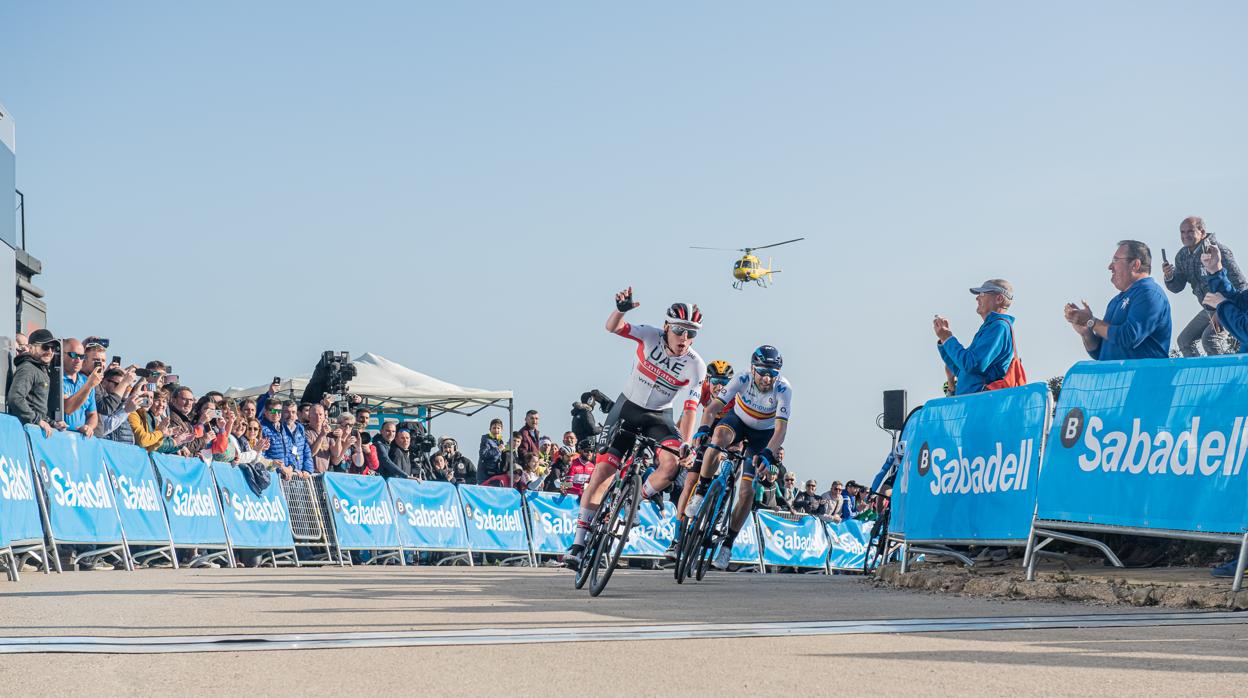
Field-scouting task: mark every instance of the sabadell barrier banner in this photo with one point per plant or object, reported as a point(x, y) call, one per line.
point(190, 501)
point(137, 493)
point(552, 521)
point(493, 518)
point(362, 512)
point(254, 520)
point(19, 512)
point(653, 531)
point(802, 543)
point(429, 514)
point(848, 541)
point(971, 465)
point(79, 495)
point(1156, 443)
point(745, 547)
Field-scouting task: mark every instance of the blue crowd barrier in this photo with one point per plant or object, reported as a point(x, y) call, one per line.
point(1148, 446)
point(79, 494)
point(494, 519)
point(848, 541)
point(137, 492)
point(20, 517)
point(745, 549)
point(430, 515)
point(552, 521)
point(801, 543)
point(190, 500)
point(970, 467)
point(251, 520)
point(362, 513)
point(653, 532)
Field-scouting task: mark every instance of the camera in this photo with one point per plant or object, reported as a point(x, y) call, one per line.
point(332, 375)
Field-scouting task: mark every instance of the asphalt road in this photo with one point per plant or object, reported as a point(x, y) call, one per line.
point(1065, 661)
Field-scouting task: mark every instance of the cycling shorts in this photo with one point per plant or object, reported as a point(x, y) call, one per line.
point(755, 439)
point(655, 424)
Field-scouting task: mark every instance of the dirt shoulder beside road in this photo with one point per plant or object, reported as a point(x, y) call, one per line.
point(1172, 587)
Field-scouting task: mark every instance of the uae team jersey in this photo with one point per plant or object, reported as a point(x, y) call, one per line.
point(759, 410)
point(659, 380)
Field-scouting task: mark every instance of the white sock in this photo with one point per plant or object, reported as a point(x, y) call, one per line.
point(647, 491)
point(582, 524)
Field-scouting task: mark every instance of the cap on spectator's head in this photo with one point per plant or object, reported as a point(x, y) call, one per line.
point(40, 336)
point(94, 341)
point(1001, 286)
point(447, 440)
point(852, 483)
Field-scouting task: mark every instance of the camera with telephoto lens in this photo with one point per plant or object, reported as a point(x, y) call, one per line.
point(332, 375)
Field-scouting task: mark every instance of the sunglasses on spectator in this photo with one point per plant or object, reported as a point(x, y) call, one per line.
point(769, 372)
point(73, 355)
point(274, 410)
point(684, 331)
point(789, 479)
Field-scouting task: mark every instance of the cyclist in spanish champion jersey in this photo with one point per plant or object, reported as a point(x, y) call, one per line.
point(718, 373)
point(667, 371)
point(757, 413)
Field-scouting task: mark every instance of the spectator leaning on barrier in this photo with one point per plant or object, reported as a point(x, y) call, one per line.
point(834, 498)
point(1202, 331)
point(1137, 320)
point(809, 501)
point(317, 432)
point(27, 397)
point(490, 452)
point(149, 424)
point(991, 360)
point(288, 442)
point(439, 470)
point(78, 389)
point(400, 465)
point(765, 491)
point(1230, 304)
point(116, 400)
point(787, 493)
point(382, 443)
point(461, 467)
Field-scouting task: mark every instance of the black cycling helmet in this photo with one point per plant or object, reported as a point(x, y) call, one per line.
point(685, 315)
point(767, 356)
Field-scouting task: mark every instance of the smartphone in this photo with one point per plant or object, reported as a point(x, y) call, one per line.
point(1163, 256)
point(117, 360)
point(214, 414)
point(144, 401)
point(99, 363)
point(151, 387)
point(171, 379)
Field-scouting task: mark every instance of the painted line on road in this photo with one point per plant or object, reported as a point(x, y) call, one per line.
point(602, 633)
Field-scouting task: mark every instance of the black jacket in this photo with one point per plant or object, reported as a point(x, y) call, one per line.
point(462, 468)
point(400, 464)
point(583, 423)
point(808, 503)
point(27, 398)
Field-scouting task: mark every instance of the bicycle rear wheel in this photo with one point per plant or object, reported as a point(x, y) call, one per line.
point(614, 535)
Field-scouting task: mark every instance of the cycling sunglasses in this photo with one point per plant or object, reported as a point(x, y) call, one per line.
point(769, 372)
point(720, 381)
point(680, 331)
point(75, 355)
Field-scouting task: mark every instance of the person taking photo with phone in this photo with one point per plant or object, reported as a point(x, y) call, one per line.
point(1203, 331)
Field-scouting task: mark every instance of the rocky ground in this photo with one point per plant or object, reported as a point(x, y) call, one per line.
point(1078, 581)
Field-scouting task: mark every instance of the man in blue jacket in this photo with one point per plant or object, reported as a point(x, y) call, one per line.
point(288, 443)
point(991, 350)
point(1137, 321)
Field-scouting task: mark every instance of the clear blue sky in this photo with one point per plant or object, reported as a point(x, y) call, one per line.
point(234, 187)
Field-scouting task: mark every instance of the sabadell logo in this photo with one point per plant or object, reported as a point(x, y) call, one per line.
point(400, 506)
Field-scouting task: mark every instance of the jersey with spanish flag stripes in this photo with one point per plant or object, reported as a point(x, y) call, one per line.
point(758, 409)
point(659, 379)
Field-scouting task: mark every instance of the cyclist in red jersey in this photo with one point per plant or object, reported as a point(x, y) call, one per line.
point(667, 372)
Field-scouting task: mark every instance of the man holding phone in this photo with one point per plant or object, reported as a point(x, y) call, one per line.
point(1203, 331)
point(78, 388)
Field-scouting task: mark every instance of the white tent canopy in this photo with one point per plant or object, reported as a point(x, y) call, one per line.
point(392, 387)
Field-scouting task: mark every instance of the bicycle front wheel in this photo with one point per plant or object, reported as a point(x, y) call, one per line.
point(615, 535)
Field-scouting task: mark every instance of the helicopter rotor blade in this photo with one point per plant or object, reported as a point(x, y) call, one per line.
point(721, 249)
point(777, 244)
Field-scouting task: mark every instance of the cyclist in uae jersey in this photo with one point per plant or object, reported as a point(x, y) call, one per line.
point(759, 407)
point(667, 372)
point(718, 374)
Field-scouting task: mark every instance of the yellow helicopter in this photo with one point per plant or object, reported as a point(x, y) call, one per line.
point(748, 268)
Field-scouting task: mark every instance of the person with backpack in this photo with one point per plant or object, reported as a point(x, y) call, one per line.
point(991, 360)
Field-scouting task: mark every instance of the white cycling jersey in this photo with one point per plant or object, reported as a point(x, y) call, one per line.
point(756, 409)
point(658, 378)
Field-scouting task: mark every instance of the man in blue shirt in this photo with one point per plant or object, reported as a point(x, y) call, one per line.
point(989, 355)
point(1137, 321)
point(78, 389)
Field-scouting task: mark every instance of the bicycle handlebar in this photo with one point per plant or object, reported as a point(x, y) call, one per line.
point(650, 442)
